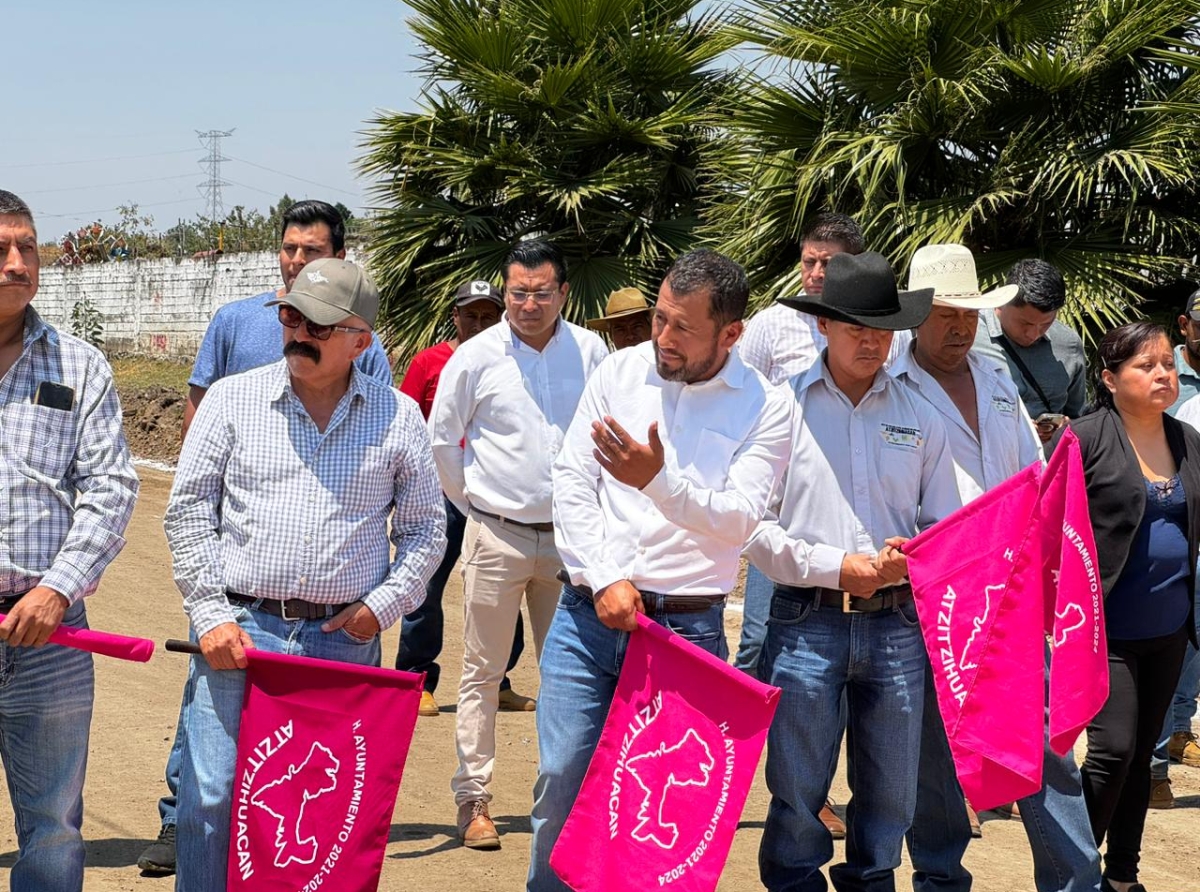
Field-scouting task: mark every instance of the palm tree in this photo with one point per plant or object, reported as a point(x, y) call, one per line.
point(1063, 129)
point(588, 123)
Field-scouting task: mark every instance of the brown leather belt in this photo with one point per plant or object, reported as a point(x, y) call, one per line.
point(536, 527)
point(291, 609)
point(656, 602)
point(884, 599)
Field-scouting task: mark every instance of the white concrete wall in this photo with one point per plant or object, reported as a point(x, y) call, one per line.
point(155, 307)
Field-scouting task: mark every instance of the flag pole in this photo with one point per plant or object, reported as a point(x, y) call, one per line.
point(179, 646)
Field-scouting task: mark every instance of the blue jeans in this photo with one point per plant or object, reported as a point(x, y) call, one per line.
point(210, 733)
point(581, 661)
point(421, 632)
point(1065, 858)
point(45, 719)
point(1182, 711)
point(168, 805)
point(755, 610)
point(816, 654)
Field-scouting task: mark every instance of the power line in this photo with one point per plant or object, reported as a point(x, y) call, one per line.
point(211, 189)
point(96, 160)
point(182, 176)
point(291, 176)
point(40, 216)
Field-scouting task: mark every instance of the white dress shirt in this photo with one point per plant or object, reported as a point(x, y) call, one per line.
point(1189, 412)
point(500, 414)
point(858, 475)
point(726, 441)
point(1007, 439)
point(781, 343)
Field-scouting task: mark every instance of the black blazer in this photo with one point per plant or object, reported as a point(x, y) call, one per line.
point(1116, 490)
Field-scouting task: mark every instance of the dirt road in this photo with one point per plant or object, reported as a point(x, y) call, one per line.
point(136, 707)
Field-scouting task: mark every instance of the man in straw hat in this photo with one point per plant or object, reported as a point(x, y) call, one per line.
point(870, 466)
point(288, 483)
point(626, 318)
point(991, 438)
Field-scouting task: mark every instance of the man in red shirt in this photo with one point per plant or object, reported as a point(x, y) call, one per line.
point(477, 305)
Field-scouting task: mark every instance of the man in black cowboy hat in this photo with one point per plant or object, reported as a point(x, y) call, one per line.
point(870, 466)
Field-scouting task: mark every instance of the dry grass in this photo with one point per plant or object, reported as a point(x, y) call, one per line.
point(137, 372)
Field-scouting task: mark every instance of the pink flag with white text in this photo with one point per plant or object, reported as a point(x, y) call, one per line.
point(1074, 602)
point(976, 580)
point(320, 754)
point(666, 786)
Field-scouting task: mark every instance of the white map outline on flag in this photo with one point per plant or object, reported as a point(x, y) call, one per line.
point(1061, 633)
point(281, 844)
point(705, 764)
point(977, 626)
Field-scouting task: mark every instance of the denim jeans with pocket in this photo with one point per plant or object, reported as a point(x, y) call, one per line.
point(45, 719)
point(210, 733)
point(817, 654)
point(581, 661)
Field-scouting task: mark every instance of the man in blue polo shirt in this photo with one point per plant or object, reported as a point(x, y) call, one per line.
point(244, 335)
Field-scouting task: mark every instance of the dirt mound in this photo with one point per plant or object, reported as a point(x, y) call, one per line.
point(152, 419)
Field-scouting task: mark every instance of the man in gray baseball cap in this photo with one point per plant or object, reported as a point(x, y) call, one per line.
point(288, 484)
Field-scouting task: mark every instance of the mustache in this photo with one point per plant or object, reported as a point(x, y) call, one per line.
point(16, 280)
point(300, 348)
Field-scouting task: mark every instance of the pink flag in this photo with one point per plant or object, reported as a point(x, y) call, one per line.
point(320, 754)
point(123, 647)
point(976, 579)
point(1074, 605)
point(665, 789)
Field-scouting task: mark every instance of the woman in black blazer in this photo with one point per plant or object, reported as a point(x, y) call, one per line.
point(1143, 483)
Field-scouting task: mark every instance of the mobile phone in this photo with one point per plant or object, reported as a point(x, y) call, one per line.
point(54, 396)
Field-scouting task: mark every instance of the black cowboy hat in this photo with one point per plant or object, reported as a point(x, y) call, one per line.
point(861, 289)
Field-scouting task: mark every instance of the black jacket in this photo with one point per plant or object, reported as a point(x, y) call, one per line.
point(1116, 490)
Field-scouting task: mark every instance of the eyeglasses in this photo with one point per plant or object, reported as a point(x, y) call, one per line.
point(291, 317)
point(541, 297)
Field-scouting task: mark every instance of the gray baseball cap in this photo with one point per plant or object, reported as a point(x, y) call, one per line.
point(328, 290)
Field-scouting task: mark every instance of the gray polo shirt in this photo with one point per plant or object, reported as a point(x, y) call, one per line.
point(1056, 360)
point(1189, 380)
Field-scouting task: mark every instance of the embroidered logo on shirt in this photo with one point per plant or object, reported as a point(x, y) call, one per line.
point(1003, 404)
point(896, 435)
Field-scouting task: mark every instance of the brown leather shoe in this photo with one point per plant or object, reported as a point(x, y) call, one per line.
point(428, 705)
point(973, 820)
point(475, 827)
point(511, 701)
point(1184, 749)
point(835, 825)
point(1160, 793)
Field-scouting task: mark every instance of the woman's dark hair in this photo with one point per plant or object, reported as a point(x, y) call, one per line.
point(1118, 347)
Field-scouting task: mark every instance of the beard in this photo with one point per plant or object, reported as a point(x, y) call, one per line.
point(690, 371)
point(300, 348)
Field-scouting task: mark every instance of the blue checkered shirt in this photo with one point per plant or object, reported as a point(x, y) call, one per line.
point(266, 505)
point(67, 484)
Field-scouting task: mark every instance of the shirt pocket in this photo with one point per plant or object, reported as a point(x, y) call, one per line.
point(900, 479)
point(711, 460)
point(38, 440)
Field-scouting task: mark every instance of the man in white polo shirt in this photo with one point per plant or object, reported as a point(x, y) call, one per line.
point(503, 403)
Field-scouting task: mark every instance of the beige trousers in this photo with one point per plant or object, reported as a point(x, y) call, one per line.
point(501, 562)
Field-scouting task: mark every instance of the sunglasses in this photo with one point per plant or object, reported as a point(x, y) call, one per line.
point(291, 317)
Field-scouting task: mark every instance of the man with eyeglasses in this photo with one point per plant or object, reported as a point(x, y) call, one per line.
point(244, 335)
point(278, 524)
point(503, 405)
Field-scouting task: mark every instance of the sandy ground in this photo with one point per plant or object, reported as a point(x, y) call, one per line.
point(136, 707)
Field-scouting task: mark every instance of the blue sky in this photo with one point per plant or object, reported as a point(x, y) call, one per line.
point(124, 87)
